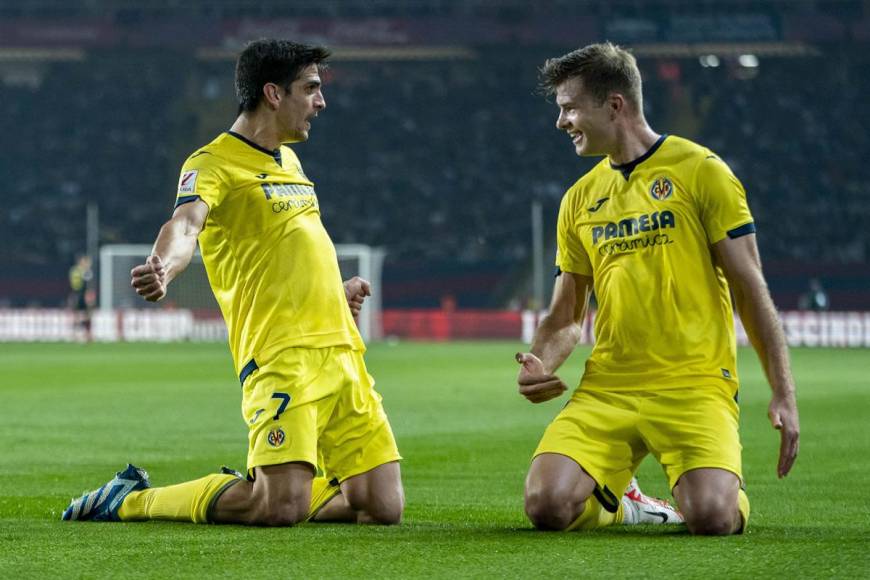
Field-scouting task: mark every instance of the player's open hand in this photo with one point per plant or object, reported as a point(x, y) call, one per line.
point(149, 279)
point(783, 416)
point(535, 383)
point(355, 290)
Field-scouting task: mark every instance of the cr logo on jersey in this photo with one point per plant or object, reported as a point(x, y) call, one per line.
point(276, 437)
point(661, 189)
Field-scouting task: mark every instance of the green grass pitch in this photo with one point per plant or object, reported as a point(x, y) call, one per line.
point(71, 415)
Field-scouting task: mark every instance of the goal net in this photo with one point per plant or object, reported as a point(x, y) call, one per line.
point(191, 291)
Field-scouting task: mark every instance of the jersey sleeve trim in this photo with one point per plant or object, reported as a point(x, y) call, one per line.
point(574, 268)
point(247, 370)
point(186, 199)
point(741, 231)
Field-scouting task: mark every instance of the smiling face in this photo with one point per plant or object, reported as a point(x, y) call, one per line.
point(589, 124)
point(300, 103)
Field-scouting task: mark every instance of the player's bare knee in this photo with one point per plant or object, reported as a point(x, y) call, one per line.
point(722, 526)
point(383, 509)
point(391, 511)
point(386, 514)
point(282, 514)
point(549, 510)
point(714, 518)
point(549, 518)
point(289, 510)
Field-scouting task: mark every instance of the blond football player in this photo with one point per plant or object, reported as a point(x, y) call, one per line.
point(661, 231)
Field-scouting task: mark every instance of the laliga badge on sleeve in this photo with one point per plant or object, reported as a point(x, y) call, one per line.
point(187, 182)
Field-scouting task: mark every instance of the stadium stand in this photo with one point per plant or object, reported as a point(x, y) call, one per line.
point(436, 160)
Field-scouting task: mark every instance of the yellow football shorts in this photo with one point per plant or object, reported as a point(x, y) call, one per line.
point(610, 432)
point(317, 406)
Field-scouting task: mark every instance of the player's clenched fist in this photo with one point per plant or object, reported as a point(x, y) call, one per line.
point(535, 383)
point(355, 290)
point(149, 279)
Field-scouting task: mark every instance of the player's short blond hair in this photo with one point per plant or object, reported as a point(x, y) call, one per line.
point(604, 68)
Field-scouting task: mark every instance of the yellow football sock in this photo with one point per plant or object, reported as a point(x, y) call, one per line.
point(184, 502)
point(743, 508)
point(595, 516)
point(322, 490)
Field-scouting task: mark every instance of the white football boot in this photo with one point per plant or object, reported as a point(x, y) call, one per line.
point(638, 508)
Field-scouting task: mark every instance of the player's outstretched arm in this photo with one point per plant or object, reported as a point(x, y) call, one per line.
point(741, 263)
point(355, 290)
point(172, 251)
point(555, 338)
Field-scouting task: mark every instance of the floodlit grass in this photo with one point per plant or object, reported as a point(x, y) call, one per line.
point(72, 415)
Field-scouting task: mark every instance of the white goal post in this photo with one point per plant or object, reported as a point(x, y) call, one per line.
point(191, 290)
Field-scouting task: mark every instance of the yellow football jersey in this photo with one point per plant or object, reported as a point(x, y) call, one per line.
point(270, 262)
point(644, 232)
point(77, 278)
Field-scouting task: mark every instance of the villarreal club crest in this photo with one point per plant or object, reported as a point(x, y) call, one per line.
point(661, 189)
point(275, 437)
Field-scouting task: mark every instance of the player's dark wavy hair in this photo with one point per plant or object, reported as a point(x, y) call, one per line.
point(272, 61)
point(604, 68)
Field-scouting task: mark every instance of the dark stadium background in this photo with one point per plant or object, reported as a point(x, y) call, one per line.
point(434, 144)
point(434, 147)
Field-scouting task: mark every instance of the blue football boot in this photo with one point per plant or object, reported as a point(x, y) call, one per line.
point(101, 505)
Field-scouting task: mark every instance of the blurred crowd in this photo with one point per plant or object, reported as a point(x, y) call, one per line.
point(797, 135)
point(437, 161)
point(75, 133)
